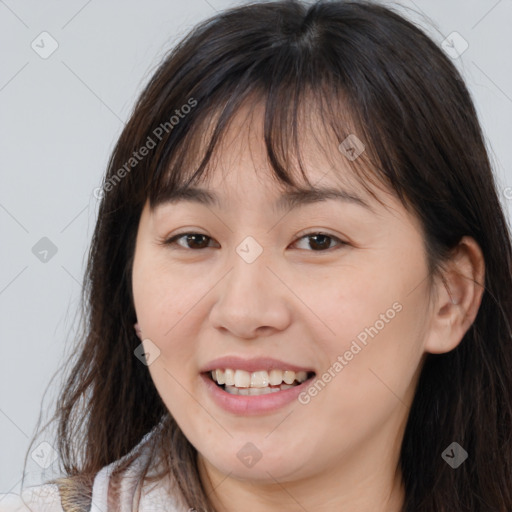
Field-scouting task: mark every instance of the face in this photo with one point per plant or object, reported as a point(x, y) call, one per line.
point(314, 312)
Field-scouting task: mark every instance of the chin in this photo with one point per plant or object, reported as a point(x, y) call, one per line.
point(251, 464)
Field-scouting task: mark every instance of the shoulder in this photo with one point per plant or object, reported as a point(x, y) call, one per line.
point(154, 497)
point(40, 498)
point(158, 496)
point(92, 495)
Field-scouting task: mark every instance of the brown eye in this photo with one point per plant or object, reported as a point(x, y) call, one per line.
point(317, 242)
point(191, 240)
point(321, 242)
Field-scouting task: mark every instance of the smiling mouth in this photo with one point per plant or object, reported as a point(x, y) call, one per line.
point(262, 382)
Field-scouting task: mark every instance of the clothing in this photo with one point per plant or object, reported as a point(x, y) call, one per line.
point(41, 498)
point(46, 497)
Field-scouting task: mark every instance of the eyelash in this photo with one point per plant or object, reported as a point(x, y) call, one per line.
point(174, 239)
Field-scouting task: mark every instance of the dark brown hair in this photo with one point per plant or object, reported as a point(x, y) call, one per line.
point(361, 68)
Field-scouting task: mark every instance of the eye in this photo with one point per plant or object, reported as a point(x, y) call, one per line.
point(318, 242)
point(321, 242)
point(190, 240)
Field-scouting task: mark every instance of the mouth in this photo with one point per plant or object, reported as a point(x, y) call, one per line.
point(255, 386)
point(261, 382)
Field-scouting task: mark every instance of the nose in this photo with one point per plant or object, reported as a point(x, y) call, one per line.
point(250, 301)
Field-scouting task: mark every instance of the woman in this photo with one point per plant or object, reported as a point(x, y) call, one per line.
point(299, 285)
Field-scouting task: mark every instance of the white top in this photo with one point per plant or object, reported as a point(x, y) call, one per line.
point(41, 498)
point(46, 498)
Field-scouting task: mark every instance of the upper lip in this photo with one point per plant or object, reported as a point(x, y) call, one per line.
point(251, 365)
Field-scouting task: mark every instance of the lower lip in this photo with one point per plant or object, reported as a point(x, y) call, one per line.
point(250, 405)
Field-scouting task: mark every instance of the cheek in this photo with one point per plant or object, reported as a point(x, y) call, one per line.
point(160, 297)
point(381, 301)
point(378, 321)
point(169, 310)
point(168, 318)
point(368, 385)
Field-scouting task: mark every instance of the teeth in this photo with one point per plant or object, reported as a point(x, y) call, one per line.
point(243, 381)
point(231, 390)
point(220, 376)
point(256, 391)
point(276, 377)
point(259, 379)
point(289, 377)
point(229, 377)
point(301, 376)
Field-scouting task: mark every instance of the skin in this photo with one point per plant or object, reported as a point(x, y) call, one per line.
point(340, 451)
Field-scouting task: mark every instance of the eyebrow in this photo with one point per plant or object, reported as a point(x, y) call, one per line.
point(288, 200)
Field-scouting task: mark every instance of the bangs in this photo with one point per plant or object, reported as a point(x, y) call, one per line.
point(325, 86)
point(295, 114)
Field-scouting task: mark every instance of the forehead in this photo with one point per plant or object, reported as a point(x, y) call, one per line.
point(240, 166)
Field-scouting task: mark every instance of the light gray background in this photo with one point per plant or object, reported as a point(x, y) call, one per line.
point(60, 117)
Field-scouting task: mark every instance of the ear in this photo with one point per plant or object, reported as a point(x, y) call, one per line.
point(458, 295)
point(137, 330)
